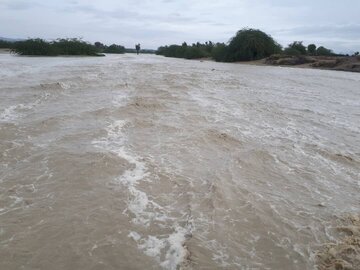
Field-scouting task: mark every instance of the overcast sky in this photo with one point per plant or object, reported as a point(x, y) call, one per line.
point(332, 23)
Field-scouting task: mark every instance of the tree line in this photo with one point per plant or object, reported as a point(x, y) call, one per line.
point(246, 45)
point(68, 46)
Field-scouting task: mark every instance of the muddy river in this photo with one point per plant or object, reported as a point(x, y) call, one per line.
point(146, 162)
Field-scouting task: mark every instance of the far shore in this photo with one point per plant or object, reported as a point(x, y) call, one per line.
point(336, 63)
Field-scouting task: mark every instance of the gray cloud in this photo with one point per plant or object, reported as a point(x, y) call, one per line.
point(159, 22)
point(19, 5)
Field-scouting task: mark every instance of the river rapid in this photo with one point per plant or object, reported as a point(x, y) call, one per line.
point(145, 162)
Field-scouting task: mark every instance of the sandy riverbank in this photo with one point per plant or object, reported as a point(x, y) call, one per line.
point(350, 64)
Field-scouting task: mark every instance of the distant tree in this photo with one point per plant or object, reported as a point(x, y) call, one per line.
point(208, 46)
point(194, 53)
point(114, 48)
point(251, 44)
point(99, 45)
point(298, 46)
point(58, 47)
point(311, 49)
point(34, 47)
point(291, 51)
point(6, 44)
point(161, 50)
point(248, 44)
point(324, 51)
point(356, 53)
point(73, 46)
point(220, 52)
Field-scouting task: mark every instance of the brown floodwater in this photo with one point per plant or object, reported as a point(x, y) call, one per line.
point(145, 162)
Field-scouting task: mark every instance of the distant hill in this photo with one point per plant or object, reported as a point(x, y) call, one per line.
point(10, 39)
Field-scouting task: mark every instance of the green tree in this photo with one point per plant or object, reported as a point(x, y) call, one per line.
point(6, 44)
point(324, 51)
point(99, 45)
point(291, 51)
point(58, 47)
point(194, 53)
point(34, 47)
point(251, 44)
point(311, 49)
point(220, 52)
point(298, 46)
point(114, 48)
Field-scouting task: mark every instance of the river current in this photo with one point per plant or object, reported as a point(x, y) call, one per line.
point(145, 162)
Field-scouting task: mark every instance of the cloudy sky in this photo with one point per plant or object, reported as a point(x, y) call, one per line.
point(332, 23)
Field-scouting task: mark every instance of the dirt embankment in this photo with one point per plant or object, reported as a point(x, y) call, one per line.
point(351, 63)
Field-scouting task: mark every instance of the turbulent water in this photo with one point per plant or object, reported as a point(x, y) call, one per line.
point(144, 162)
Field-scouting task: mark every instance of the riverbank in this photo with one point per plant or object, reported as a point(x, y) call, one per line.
point(5, 51)
point(337, 63)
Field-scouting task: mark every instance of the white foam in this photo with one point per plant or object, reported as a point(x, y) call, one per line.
point(152, 246)
point(168, 250)
point(176, 251)
point(14, 112)
point(139, 201)
point(10, 114)
point(135, 236)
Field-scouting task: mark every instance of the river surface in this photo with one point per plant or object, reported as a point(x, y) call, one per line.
point(145, 162)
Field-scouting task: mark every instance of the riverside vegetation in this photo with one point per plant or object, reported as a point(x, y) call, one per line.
point(72, 46)
point(253, 44)
point(247, 45)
